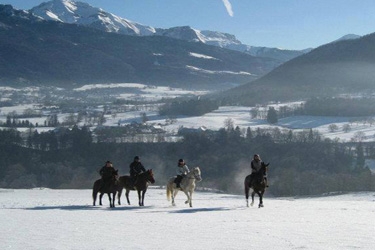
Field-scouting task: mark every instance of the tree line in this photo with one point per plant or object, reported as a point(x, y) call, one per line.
point(301, 163)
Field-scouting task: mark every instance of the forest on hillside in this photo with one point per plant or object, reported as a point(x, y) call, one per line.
point(300, 163)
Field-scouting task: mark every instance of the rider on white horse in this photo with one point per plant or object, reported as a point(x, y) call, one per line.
point(182, 171)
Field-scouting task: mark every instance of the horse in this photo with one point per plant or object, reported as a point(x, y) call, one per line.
point(257, 184)
point(111, 188)
point(141, 185)
point(187, 186)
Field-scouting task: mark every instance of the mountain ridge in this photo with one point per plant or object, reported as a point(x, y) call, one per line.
point(35, 51)
point(336, 68)
point(81, 13)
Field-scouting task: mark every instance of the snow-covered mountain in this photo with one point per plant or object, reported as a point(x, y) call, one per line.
point(228, 41)
point(81, 13)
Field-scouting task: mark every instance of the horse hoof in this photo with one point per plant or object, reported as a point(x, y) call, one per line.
point(261, 205)
point(252, 204)
point(186, 202)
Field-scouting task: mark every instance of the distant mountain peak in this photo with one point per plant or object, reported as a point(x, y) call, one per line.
point(348, 37)
point(9, 10)
point(81, 13)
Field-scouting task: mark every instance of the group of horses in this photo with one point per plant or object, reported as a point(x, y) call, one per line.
point(118, 183)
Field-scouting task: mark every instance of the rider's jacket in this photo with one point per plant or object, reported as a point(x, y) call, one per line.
point(107, 172)
point(255, 166)
point(182, 170)
point(136, 168)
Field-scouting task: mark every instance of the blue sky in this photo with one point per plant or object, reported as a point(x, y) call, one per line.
point(292, 24)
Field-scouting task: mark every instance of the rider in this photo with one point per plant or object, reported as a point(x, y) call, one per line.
point(136, 168)
point(182, 171)
point(256, 164)
point(106, 172)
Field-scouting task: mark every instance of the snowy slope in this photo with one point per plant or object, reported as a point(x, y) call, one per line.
point(81, 13)
point(65, 219)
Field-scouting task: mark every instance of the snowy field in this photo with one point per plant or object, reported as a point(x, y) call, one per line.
point(215, 120)
point(141, 92)
point(65, 219)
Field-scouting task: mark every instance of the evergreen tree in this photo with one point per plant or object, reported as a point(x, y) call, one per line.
point(360, 156)
point(272, 116)
point(249, 134)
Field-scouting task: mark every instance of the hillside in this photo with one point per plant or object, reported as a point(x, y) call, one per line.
point(34, 51)
point(340, 67)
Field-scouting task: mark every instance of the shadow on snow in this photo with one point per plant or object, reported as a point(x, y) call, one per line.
point(198, 210)
point(86, 207)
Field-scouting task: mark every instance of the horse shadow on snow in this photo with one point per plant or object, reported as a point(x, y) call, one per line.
point(198, 210)
point(86, 207)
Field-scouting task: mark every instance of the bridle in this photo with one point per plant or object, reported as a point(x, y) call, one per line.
point(195, 176)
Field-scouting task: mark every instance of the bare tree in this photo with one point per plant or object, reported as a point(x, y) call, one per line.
point(346, 128)
point(333, 128)
point(229, 124)
point(359, 136)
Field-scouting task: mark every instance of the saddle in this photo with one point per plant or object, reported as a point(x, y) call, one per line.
point(178, 181)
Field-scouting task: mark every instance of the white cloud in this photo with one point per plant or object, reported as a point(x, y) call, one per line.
point(228, 6)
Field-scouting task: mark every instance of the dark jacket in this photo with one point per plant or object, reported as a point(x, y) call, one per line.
point(255, 166)
point(136, 168)
point(107, 172)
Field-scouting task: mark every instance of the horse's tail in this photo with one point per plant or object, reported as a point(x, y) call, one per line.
point(247, 187)
point(95, 190)
point(169, 192)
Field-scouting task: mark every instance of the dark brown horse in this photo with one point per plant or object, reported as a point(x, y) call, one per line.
point(256, 182)
point(110, 188)
point(141, 185)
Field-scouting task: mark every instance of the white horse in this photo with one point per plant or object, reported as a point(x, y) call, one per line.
point(187, 186)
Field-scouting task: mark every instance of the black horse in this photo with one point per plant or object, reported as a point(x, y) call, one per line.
point(257, 183)
point(141, 185)
point(110, 188)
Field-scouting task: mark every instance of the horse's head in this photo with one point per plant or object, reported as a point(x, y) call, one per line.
point(264, 168)
point(150, 176)
point(197, 174)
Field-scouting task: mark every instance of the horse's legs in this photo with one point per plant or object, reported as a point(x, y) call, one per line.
point(261, 199)
point(247, 195)
point(174, 194)
point(139, 198)
point(110, 199)
point(252, 198)
point(143, 197)
point(100, 199)
point(119, 193)
point(127, 195)
point(191, 198)
point(94, 195)
point(188, 197)
point(113, 199)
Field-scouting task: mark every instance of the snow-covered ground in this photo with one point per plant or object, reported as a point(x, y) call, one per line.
point(214, 120)
point(65, 219)
point(142, 92)
point(241, 117)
